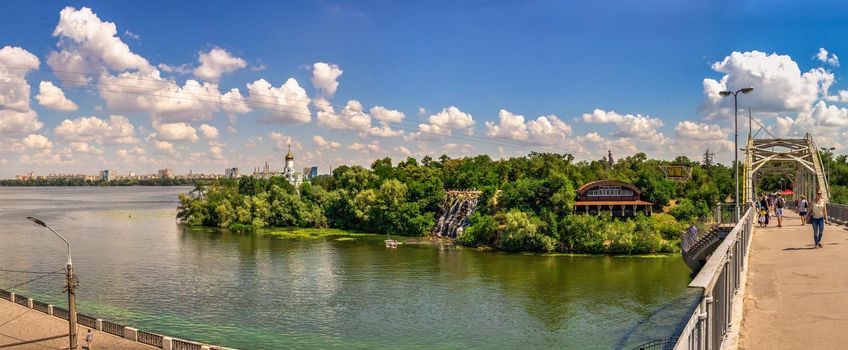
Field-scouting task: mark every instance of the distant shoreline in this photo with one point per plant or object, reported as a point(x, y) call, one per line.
point(101, 183)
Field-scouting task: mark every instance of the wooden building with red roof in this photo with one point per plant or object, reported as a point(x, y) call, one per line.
point(619, 198)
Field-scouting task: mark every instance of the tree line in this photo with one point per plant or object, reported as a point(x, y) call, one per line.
point(526, 203)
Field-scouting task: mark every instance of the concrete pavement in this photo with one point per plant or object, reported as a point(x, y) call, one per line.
point(797, 296)
point(18, 323)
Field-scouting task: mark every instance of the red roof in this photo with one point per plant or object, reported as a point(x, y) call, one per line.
point(612, 203)
point(608, 183)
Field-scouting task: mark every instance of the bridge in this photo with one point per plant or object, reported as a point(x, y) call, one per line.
point(769, 287)
point(797, 159)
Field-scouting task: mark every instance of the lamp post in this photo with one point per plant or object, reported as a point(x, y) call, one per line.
point(71, 284)
point(726, 93)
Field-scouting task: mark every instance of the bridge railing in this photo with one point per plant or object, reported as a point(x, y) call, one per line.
point(725, 213)
point(719, 279)
point(837, 213)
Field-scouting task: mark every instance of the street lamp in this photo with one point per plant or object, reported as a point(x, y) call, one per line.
point(726, 93)
point(71, 284)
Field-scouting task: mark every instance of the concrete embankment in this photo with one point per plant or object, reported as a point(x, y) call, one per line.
point(20, 323)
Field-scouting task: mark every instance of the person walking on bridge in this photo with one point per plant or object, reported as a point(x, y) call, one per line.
point(765, 206)
point(818, 217)
point(779, 203)
point(803, 207)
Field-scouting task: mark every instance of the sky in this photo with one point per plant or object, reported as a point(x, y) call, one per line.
point(204, 86)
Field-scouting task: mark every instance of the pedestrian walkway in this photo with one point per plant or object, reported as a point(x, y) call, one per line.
point(797, 296)
point(19, 323)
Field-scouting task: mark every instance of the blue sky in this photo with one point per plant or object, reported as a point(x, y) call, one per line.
point(619, 75)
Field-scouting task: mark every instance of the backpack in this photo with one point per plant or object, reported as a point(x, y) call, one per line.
point(781, 202)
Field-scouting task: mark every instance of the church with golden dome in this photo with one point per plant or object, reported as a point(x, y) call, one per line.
point(289, 173)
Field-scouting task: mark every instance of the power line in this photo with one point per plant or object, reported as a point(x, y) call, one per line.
point(27, 271)
point(168, 83)
point(33, 280)
point(400, 125)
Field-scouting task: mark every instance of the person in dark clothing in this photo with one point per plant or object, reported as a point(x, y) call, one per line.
point(765, 204)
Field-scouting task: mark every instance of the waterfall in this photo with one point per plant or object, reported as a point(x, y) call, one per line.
point(456, 208)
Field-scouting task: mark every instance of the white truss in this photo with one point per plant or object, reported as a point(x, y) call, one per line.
point(796, 158)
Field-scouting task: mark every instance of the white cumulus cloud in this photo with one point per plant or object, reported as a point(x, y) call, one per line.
point(209, 132)
point(215, 63)
point(174, 132)
point(325, 78)
point(16, 116)
point(51, 96)
point(37, 142)
point(285, 104)
point(827, 57)
point(116, 130)
point(779, 84)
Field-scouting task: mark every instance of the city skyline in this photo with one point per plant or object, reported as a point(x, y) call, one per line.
point(97, 85)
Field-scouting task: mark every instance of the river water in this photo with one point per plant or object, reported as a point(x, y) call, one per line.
point(138, 267)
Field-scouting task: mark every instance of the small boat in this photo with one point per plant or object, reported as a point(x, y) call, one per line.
point(391, 243)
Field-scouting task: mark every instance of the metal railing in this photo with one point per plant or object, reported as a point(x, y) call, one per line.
point(150, 339)
point(837, 213)
point(5, 294)
point(61, 313)
point(177, 344)
point(113, 328)
point(725, 213)
point(86, 320)
point(108, 327)
point(39, 306)
point(658, 344)
point(719, 280)
point(21, 300)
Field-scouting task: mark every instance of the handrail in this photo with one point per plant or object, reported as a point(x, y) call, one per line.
point(719, 279)
point(837, 213)
point(707, 277)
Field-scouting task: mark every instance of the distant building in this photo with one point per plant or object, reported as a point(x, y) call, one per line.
point(105, 175)
point(165, 174)
point(232, 173)
point(265, 173)
point(131, 174)
point(678, 172)
point(310, 172)
point(620, 198)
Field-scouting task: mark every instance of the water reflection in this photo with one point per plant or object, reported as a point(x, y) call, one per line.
point(138, 266)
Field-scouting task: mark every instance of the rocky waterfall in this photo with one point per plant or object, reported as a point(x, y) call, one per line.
point(457, 207)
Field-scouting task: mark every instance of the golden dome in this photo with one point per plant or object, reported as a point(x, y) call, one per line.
point(289, 156)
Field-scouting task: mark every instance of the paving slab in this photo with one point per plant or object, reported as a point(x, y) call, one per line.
point(19, 323)
point(796, 295)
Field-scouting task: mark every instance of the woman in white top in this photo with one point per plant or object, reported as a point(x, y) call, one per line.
point(818, 217)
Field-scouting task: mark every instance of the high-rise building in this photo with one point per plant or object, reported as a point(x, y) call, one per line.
point(105, 175)
point(232, 173)
point(165, 174)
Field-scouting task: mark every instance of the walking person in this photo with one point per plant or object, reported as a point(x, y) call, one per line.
point(89, 337)
point(803, 206)
point(779, 204)
point(818, 217)
point(765, 206)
